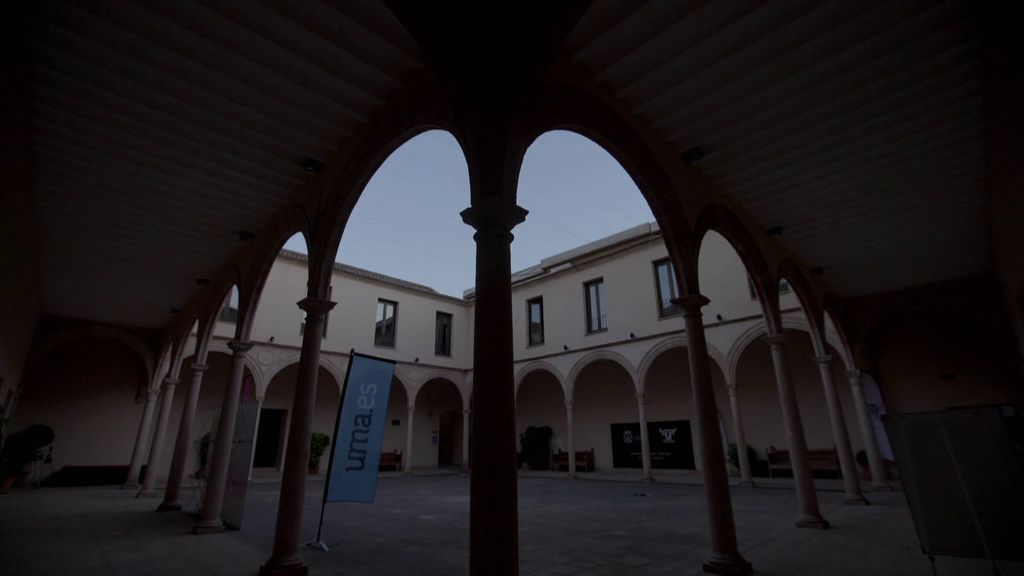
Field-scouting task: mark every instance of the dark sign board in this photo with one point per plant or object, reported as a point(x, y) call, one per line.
point(671, 445)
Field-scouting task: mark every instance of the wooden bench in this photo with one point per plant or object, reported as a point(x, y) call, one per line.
point(390, 461)
point(823, 460)
point(584, 461)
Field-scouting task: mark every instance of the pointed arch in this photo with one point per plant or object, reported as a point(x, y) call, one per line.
point(791, 272)
point(596, 356)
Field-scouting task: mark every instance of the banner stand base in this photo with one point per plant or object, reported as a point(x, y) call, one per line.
point(317, 545)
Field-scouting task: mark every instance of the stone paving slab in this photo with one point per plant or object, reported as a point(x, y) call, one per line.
point(419, 526)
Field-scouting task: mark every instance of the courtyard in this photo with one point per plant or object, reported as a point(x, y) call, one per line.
point(419, 526)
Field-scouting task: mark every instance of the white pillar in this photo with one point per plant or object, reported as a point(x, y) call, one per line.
point(252, 456)
point(132, 481)
point(465, 440)
point(570, 440)
point(746, 479)
point(645, 441)
point(407, 457)
point(851, 484)
point(879, 481)
point(156, 450)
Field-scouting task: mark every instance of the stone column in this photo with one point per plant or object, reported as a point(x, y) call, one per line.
point(255, 434)
point(407, 457)
point(746, 479)
point(810, 516)
point(285, 558)
point(879, 480)
point(465, 440)
point(725, 557)
point(132, 481)
point(570, 438)
point(220, 458)
point(157, 449)
point(851, 485)
point(184, 441)
point(493, 503)
point(645, 441)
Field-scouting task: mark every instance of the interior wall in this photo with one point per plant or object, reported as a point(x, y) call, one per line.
point(603, 394)
point(394, 434)
point(86, 392)
point(541, 402)
point(280, 394)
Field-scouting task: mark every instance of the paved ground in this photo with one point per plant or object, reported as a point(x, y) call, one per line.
point(419, 526)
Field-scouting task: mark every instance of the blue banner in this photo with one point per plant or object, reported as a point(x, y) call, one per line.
point(352, 474)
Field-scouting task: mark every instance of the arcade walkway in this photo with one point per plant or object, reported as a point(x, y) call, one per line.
point(419, 527)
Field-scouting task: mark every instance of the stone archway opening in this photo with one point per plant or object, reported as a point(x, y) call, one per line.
point(604, 398)
point(540, 402)
point(275, 415)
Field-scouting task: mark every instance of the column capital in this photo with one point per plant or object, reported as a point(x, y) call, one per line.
point(465, 412)
point(641, 398)
point(493, 215)
point(410, 408)
point(314, 306)
point(240, 347)
point(854, 376)
point(569, 405)
point(691, 304)
point(731, 389)
point(171, 382)
point(200, 367)
point(824, 359)
point(774, 340)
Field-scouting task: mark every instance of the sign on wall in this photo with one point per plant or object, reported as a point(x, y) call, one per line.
point(355, 455)
point(244, 440)
point(671, 445)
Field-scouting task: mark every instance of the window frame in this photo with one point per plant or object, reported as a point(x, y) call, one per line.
point(448, 342)
point(539, 300)
point(394, 321)
point(673, 309)
point(600, 301)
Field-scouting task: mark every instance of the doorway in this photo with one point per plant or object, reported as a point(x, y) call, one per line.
point(449, 431)
point(268, 438)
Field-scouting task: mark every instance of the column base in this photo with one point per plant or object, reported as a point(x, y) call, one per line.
point(145, 494)
point(168, 507)
point(856, 501)
point(298, 568)
point(882, 487)
point(813, 522)
point(215, 527)
point(731, 566)
point(647, 479)
point(130, 486)
point(746, 483)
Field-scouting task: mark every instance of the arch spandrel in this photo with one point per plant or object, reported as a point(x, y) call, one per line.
point(809, 301)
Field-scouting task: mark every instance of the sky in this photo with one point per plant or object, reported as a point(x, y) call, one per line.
point(406, 223)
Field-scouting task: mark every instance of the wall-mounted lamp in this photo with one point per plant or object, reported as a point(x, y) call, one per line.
point(631, 335)
point(271, 339)
point(718, 317)
point(564, 347)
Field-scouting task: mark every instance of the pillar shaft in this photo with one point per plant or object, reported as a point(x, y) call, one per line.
point(220, 458)
point(810, 515)
point(570, 437)
point(493, 508)
point(139, 451)
point(741, 437)
point(407, 457)
point(851, 484)
point(725, 557)
point(867, 430)
point(288, 536)
point(465, 440)
point(184, 440)
point(645, 441)
point(157, 448)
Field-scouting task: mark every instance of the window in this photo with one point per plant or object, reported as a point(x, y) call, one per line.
point(597, 319)
point(443, 334)
point(535, 320)
point(229, 313)
point(384, 334)
point(783, 287)
point(668, 289)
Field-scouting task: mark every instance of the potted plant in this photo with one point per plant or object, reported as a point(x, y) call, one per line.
point(21, 449)
point(318, 443)
point(734, 456)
